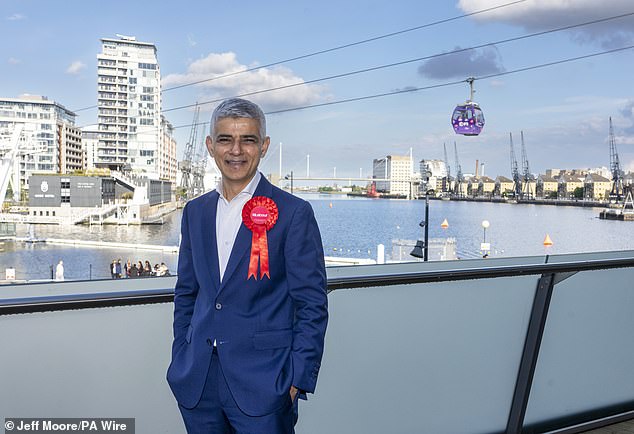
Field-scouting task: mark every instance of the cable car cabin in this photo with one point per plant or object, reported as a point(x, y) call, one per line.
point(468, 119)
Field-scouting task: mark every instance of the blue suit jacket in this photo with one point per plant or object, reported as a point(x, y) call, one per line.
point(270, 332)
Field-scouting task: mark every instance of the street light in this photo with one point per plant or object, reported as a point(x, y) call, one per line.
point(421, 250)
point(291, 178)
point(485, 247)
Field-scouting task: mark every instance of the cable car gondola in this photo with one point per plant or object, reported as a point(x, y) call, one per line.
point(468, 118)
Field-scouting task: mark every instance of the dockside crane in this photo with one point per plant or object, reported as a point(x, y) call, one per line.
point(526, 173)
point(515, 173)
point(199, 167)
point(7, 162)
point(186, 165)
point(615, 167)
point(448, 169)
point(459, 177)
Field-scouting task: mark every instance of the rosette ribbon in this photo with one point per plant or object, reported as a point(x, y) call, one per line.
point(259, 215)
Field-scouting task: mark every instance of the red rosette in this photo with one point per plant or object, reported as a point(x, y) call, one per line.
point(259, 215)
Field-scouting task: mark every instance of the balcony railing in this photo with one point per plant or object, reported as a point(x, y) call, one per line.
point(533, 344)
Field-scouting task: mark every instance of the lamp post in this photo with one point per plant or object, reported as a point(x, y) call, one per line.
point(291, 178)
point(484, 246)
point(421, 250)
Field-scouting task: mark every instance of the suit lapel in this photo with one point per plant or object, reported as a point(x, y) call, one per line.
point(209, 238)
point(242, 245)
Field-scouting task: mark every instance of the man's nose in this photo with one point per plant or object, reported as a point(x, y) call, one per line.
point(235, 149)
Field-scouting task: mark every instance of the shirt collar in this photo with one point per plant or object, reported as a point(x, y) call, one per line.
point(249, 189)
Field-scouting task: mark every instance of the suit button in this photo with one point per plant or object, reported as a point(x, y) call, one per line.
point(218, 306)
point(209, 342)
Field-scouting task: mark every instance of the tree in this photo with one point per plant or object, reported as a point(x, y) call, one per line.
point(578, 193)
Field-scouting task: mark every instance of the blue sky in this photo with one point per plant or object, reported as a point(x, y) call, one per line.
point(50, 49)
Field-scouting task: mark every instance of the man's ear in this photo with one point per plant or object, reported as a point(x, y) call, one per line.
point(209, 142)
point(265, 146)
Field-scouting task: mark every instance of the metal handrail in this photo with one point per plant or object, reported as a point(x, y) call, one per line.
point(151, 296)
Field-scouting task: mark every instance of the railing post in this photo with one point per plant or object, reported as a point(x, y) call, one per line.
point(532, 344)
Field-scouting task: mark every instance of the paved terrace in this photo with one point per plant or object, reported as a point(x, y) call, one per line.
point(511, 345)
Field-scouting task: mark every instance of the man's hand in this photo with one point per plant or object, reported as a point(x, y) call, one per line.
point(293, 393)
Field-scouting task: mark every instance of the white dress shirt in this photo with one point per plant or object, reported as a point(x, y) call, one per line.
point(229, 219)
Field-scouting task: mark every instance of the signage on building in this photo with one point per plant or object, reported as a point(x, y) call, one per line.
point(44, 186)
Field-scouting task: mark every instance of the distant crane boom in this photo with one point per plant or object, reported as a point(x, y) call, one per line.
point(515, 173)
point(615, 168)
point(448, 169)
point(187, 164)
point(526, 172)
point(7, 162)
point(459, 177)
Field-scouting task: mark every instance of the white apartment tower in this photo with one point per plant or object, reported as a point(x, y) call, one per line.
point(49, 140)
point(129, 104)
point(397, 169)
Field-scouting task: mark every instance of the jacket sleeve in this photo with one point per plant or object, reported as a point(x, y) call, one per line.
point(186, 289)
point(306, 277)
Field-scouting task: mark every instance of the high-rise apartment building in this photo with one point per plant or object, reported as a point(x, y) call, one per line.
point(167, 163)
point(49, 140)
point(129, 106)
point(90, 145)
point(397, 169)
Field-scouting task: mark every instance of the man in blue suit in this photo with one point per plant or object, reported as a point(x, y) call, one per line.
point(250, 304)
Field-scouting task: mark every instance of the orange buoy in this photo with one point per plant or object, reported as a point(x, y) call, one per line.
point(330, 204)
point(444, 224)
point(548, 241)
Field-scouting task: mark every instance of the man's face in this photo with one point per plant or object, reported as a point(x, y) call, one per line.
point(237, 148)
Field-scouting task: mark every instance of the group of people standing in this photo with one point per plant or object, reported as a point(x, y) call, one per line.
point(119, 270)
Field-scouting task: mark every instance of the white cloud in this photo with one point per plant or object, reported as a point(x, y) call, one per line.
point(216, 65)
point(547, 14)
point(16, 17)
point(75, 67)
point(13, 61)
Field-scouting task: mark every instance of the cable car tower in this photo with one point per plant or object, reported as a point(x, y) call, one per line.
point(526, 173)
point(615, 168)
point(457, 189)
point(515, 173)
point(186, 166)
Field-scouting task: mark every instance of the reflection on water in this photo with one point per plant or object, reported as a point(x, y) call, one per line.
point(350, 227)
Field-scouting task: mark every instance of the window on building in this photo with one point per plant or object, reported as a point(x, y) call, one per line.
point(147, 66)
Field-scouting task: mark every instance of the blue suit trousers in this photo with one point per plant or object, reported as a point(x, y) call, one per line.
point(218, 413)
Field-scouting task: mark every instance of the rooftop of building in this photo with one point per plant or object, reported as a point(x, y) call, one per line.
point(128, 40)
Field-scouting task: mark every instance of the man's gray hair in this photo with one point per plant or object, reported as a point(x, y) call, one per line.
point(239, 108)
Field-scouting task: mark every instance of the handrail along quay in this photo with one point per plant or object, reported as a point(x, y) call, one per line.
point(111, 299)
